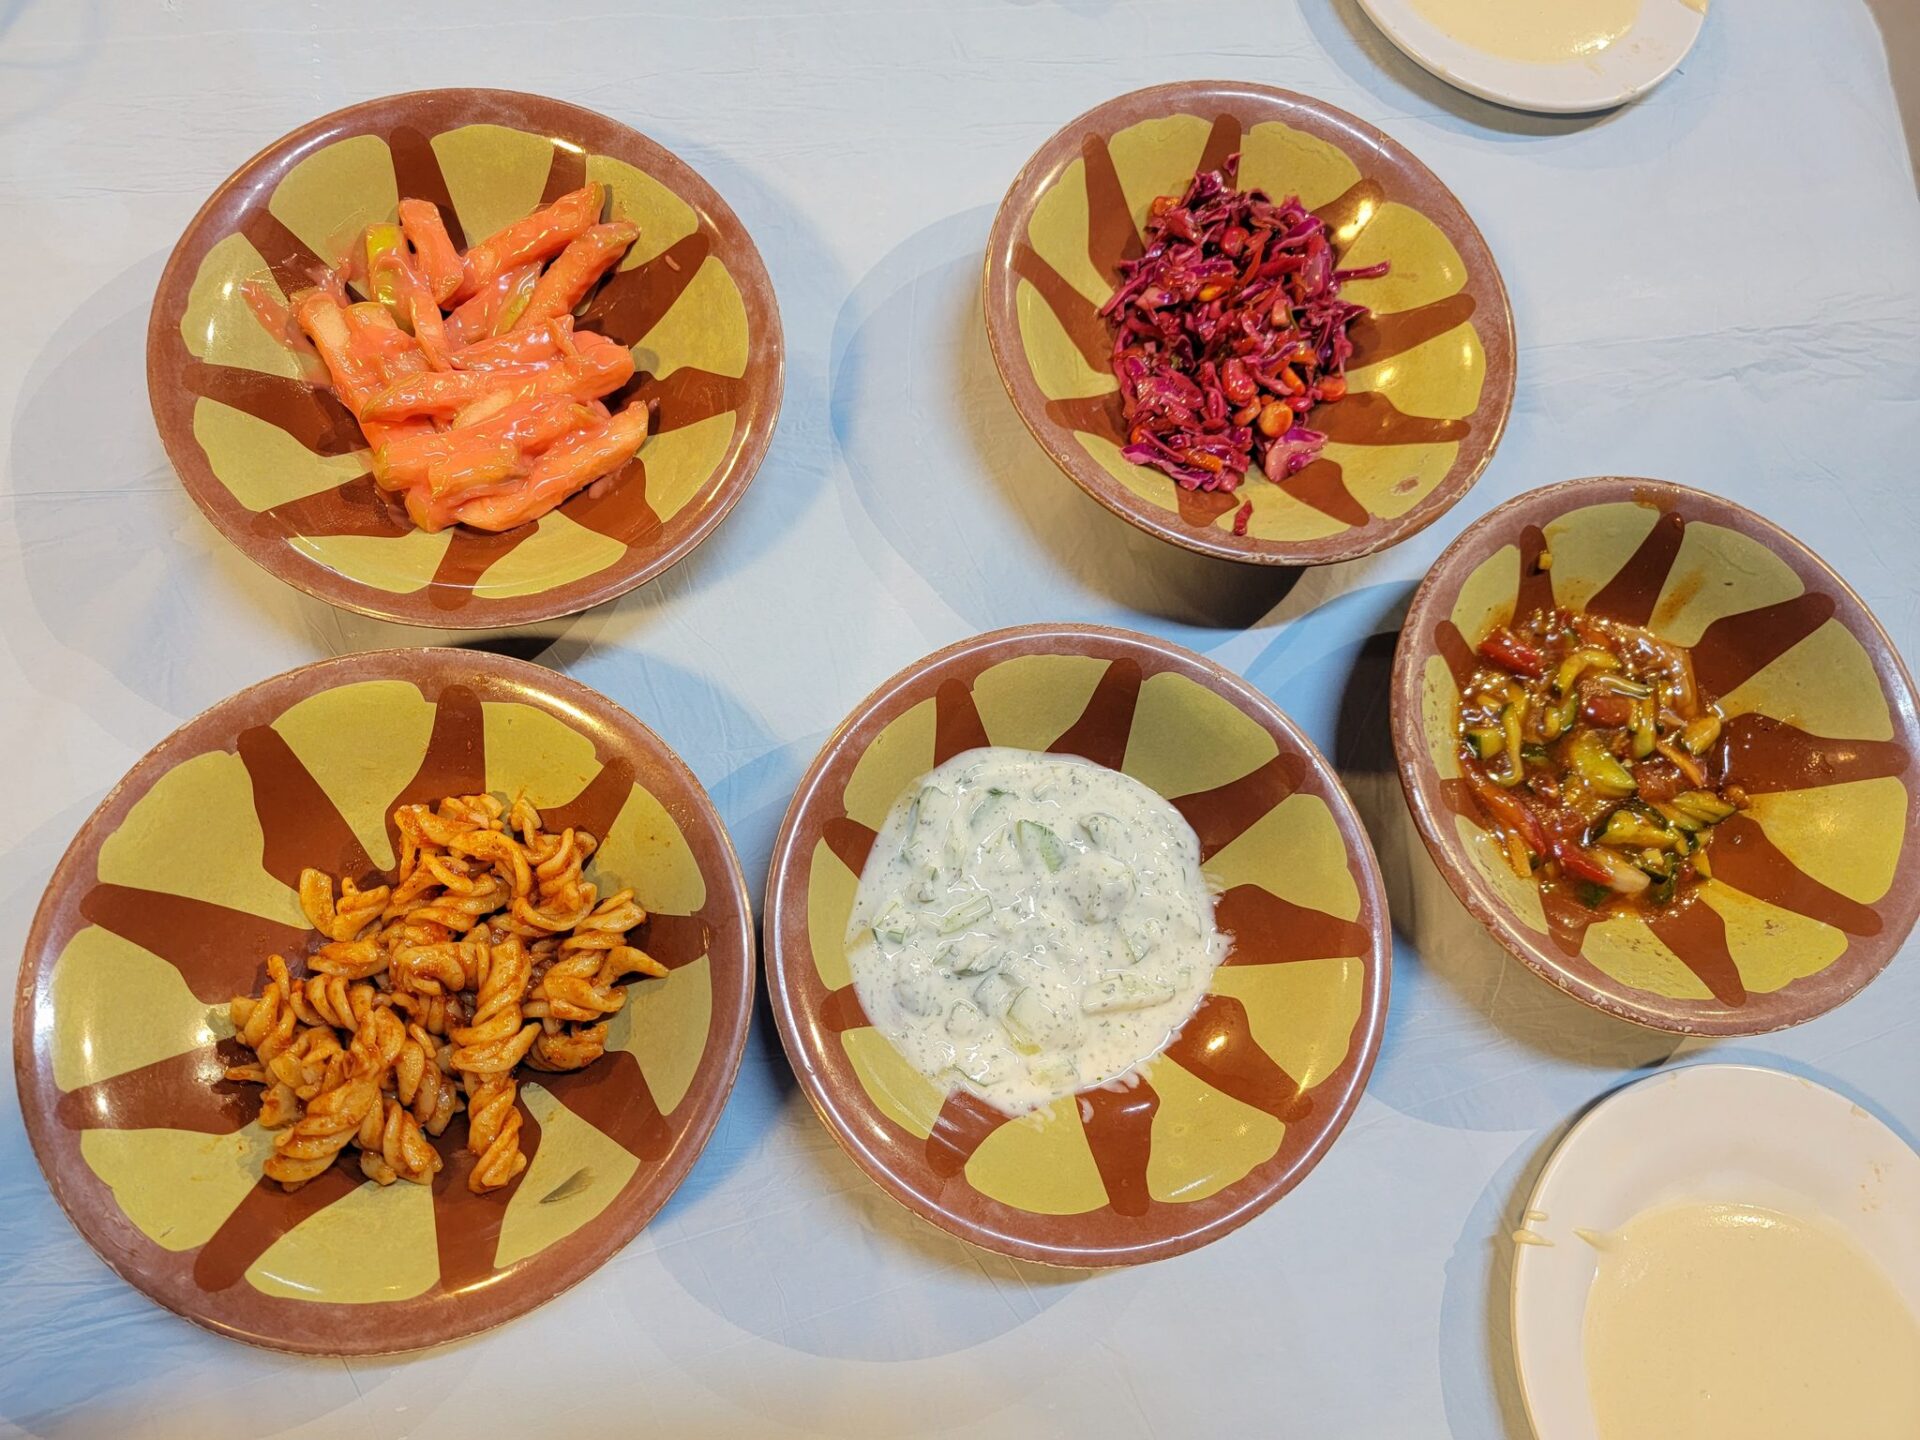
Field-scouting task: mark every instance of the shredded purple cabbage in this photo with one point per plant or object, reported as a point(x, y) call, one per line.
point(1227, 331)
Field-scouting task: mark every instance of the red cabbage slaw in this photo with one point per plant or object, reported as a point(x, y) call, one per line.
point(1227, 331)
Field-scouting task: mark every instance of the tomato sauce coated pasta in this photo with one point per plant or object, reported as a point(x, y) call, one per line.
point(489, 949)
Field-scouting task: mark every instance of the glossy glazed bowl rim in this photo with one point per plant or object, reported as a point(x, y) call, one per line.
point(170, 296)
point(1003, 340)
point(730, 1030)
point(1409, 660)
point(1369, 1025)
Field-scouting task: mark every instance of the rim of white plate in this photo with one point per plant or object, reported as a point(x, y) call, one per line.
point(1731, 1133)
point(1658, 41)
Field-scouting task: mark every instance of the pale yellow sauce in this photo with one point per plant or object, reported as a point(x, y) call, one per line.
point(1733, 1322)
point(1543, 32)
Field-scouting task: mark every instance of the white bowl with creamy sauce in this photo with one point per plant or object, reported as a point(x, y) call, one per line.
point(1554, 56)
point(1726, 1253)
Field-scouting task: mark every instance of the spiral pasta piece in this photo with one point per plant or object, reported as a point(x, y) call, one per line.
point(421, 1084)
point(332, 1118)
point(488, 948)
point(342, 919)
point(264, 1025)
point(314, 1062)
point(393, 1147)
point(498, 1036)
point(350, 959)
point(493, 1132)
point(567, 1047)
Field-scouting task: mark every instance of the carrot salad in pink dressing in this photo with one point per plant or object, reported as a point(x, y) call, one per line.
point(480, 402)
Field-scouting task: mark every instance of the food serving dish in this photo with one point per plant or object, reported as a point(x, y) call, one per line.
point(1727, 1134)
point(1816, 882)
point(175, 891)
point(1261, 1079)
point(276, 462)
point(1657, 39)
point(1430, 382)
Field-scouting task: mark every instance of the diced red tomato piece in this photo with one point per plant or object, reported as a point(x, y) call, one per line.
point(1505, 808)
point(1576, 862)
point(1658, 781)
point(1513, 654)
point(1605, 707)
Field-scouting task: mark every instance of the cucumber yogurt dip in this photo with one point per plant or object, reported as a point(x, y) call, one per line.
point(1031, 925)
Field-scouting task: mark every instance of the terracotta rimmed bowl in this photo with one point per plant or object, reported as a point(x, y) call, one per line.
point(1433, 368)
point(1815, 887)
point(1261, 1079)
point(275, 462)
point(176, 890)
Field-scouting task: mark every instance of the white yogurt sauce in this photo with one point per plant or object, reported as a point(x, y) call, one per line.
point(1030, 925)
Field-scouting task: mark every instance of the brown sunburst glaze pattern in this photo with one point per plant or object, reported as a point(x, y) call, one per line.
point(218, 951)
point(1353, 520)
point(1132, 1202)
point(281, 537)
point(1818, 699)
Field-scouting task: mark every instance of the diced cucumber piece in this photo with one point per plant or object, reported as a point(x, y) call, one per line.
point(916, 999)
point(995, 993)
point(1702, 805)
point(1056, 1072)
point(991, 813)
point(1099, 888)
point(1103, 831)
point(1040, 843)
point(963, 1021)
point(1123, 992)
point(1143, 939)
point(973, 955)
point(1028, 1021)
point(970, 911)
point(895, 924)
point(978, 1067)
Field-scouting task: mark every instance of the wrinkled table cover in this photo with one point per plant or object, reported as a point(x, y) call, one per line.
point(1720, 285)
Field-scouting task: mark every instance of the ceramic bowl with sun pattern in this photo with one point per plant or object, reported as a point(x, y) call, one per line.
point(1817, 884)
point(174, 893)
point(278, 465)
point(1431, 378)
point(1258, 1082)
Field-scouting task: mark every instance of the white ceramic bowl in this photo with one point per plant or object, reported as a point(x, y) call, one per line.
point(1702, 1132)
point(1660, 38)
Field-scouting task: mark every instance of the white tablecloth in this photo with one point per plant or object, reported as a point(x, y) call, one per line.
point(1720, 285)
